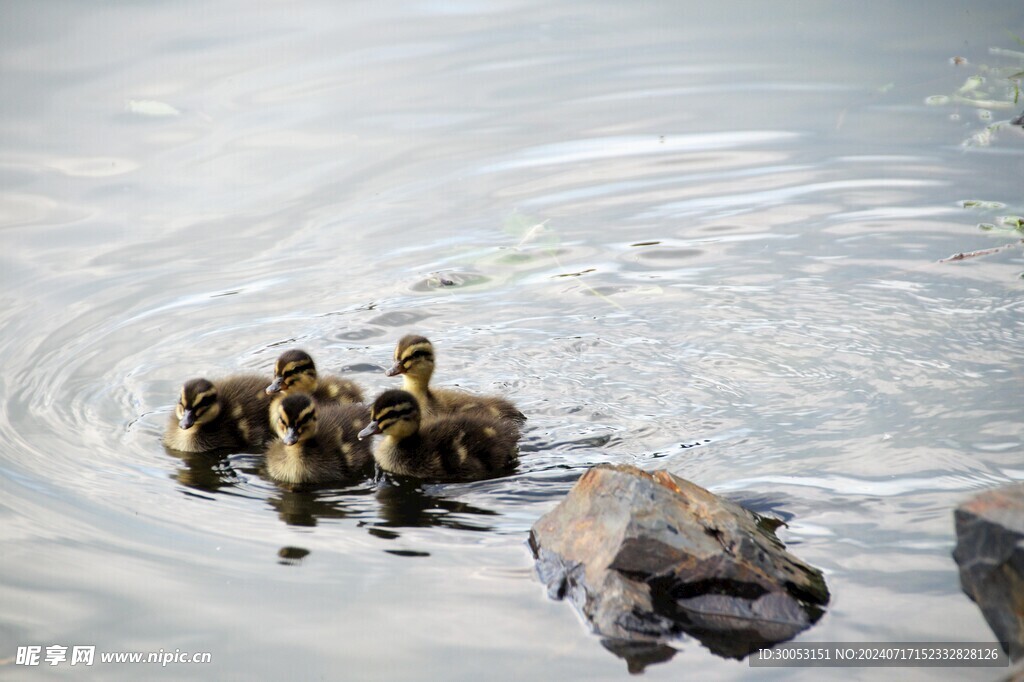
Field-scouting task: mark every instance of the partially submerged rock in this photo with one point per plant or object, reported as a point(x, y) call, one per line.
point(990, 553)
point(648, 557)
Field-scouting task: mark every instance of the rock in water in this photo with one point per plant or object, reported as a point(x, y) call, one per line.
point(990, 553)
point(648, 557)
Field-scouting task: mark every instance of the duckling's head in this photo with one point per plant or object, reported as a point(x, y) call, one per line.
point(198, 403)
point(394, 413)
point(414, 357)
point(294, 418)
point(294, 371)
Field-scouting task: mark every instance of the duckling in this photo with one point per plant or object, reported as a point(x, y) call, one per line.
point(229, 413)
point(294, 371)
point(414, 360)
point(451, 447)
point(319, 442)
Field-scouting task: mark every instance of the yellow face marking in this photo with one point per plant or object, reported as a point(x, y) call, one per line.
point(306, 412)
point(409, 350)
point(391, 408)
point(200, 396)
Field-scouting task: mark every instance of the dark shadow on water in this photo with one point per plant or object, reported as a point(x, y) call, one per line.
point(307, 507)
point(208, 472)
point(292, 556)
point(406, 503)
point(770, 509)
point(639, 655)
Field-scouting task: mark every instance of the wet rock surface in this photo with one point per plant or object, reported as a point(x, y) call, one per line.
point(647, 558)
point(990, 553)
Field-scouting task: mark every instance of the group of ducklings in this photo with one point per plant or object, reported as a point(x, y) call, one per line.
point(316, 429)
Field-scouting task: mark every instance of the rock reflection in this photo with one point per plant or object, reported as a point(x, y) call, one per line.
point(638, 655)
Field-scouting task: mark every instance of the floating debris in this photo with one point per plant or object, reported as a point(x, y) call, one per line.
point(150, 107)
point(974, 254)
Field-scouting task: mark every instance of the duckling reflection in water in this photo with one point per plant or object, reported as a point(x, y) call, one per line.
point(319, 443)
point(414, 360)
point(451, 447)
point(295, 372)
point(230, 413)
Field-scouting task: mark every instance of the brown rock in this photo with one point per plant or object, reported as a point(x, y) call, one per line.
point(648, 557)
point(990, 553)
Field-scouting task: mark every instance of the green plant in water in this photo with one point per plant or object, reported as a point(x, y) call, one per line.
point(533, 235)
point(993, 87)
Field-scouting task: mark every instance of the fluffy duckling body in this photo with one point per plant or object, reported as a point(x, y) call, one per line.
point(319, 442)
point(414, 360)
point(295, 372)
point(451, 447)
point(230, 413)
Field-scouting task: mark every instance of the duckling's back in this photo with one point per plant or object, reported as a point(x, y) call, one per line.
point(331, 389)
point(242, 423)
point(449, 401)
point(470, 446)
point(248, 406)
point(338, 428)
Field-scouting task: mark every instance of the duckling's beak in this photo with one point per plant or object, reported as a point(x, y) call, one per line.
point(397, 368)
point(290, 437)
point(276, 386)
point(371, 429)
point(188, 418)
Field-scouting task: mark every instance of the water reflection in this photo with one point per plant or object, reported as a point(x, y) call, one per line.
point(208, 472)
point(292, 556)
point(402, 502)
point(307, 507)
point(638, 655)
point(768, 261)
point(409, 503)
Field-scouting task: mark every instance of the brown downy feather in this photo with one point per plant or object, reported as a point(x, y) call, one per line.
point(295, 372)
point(414, 360)
point(318, 442)
point(450, 447)
point(228, 413)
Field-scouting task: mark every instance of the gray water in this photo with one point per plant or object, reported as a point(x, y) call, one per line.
point(702, 237)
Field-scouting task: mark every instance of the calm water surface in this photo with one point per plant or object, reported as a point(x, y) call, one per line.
point(682, 237)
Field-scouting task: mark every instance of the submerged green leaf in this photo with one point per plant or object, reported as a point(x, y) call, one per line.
point(983, 103)
point(1003, 52)
point(982, 204)
point(150, 107)
point(1014, 221)
point(972, 83)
